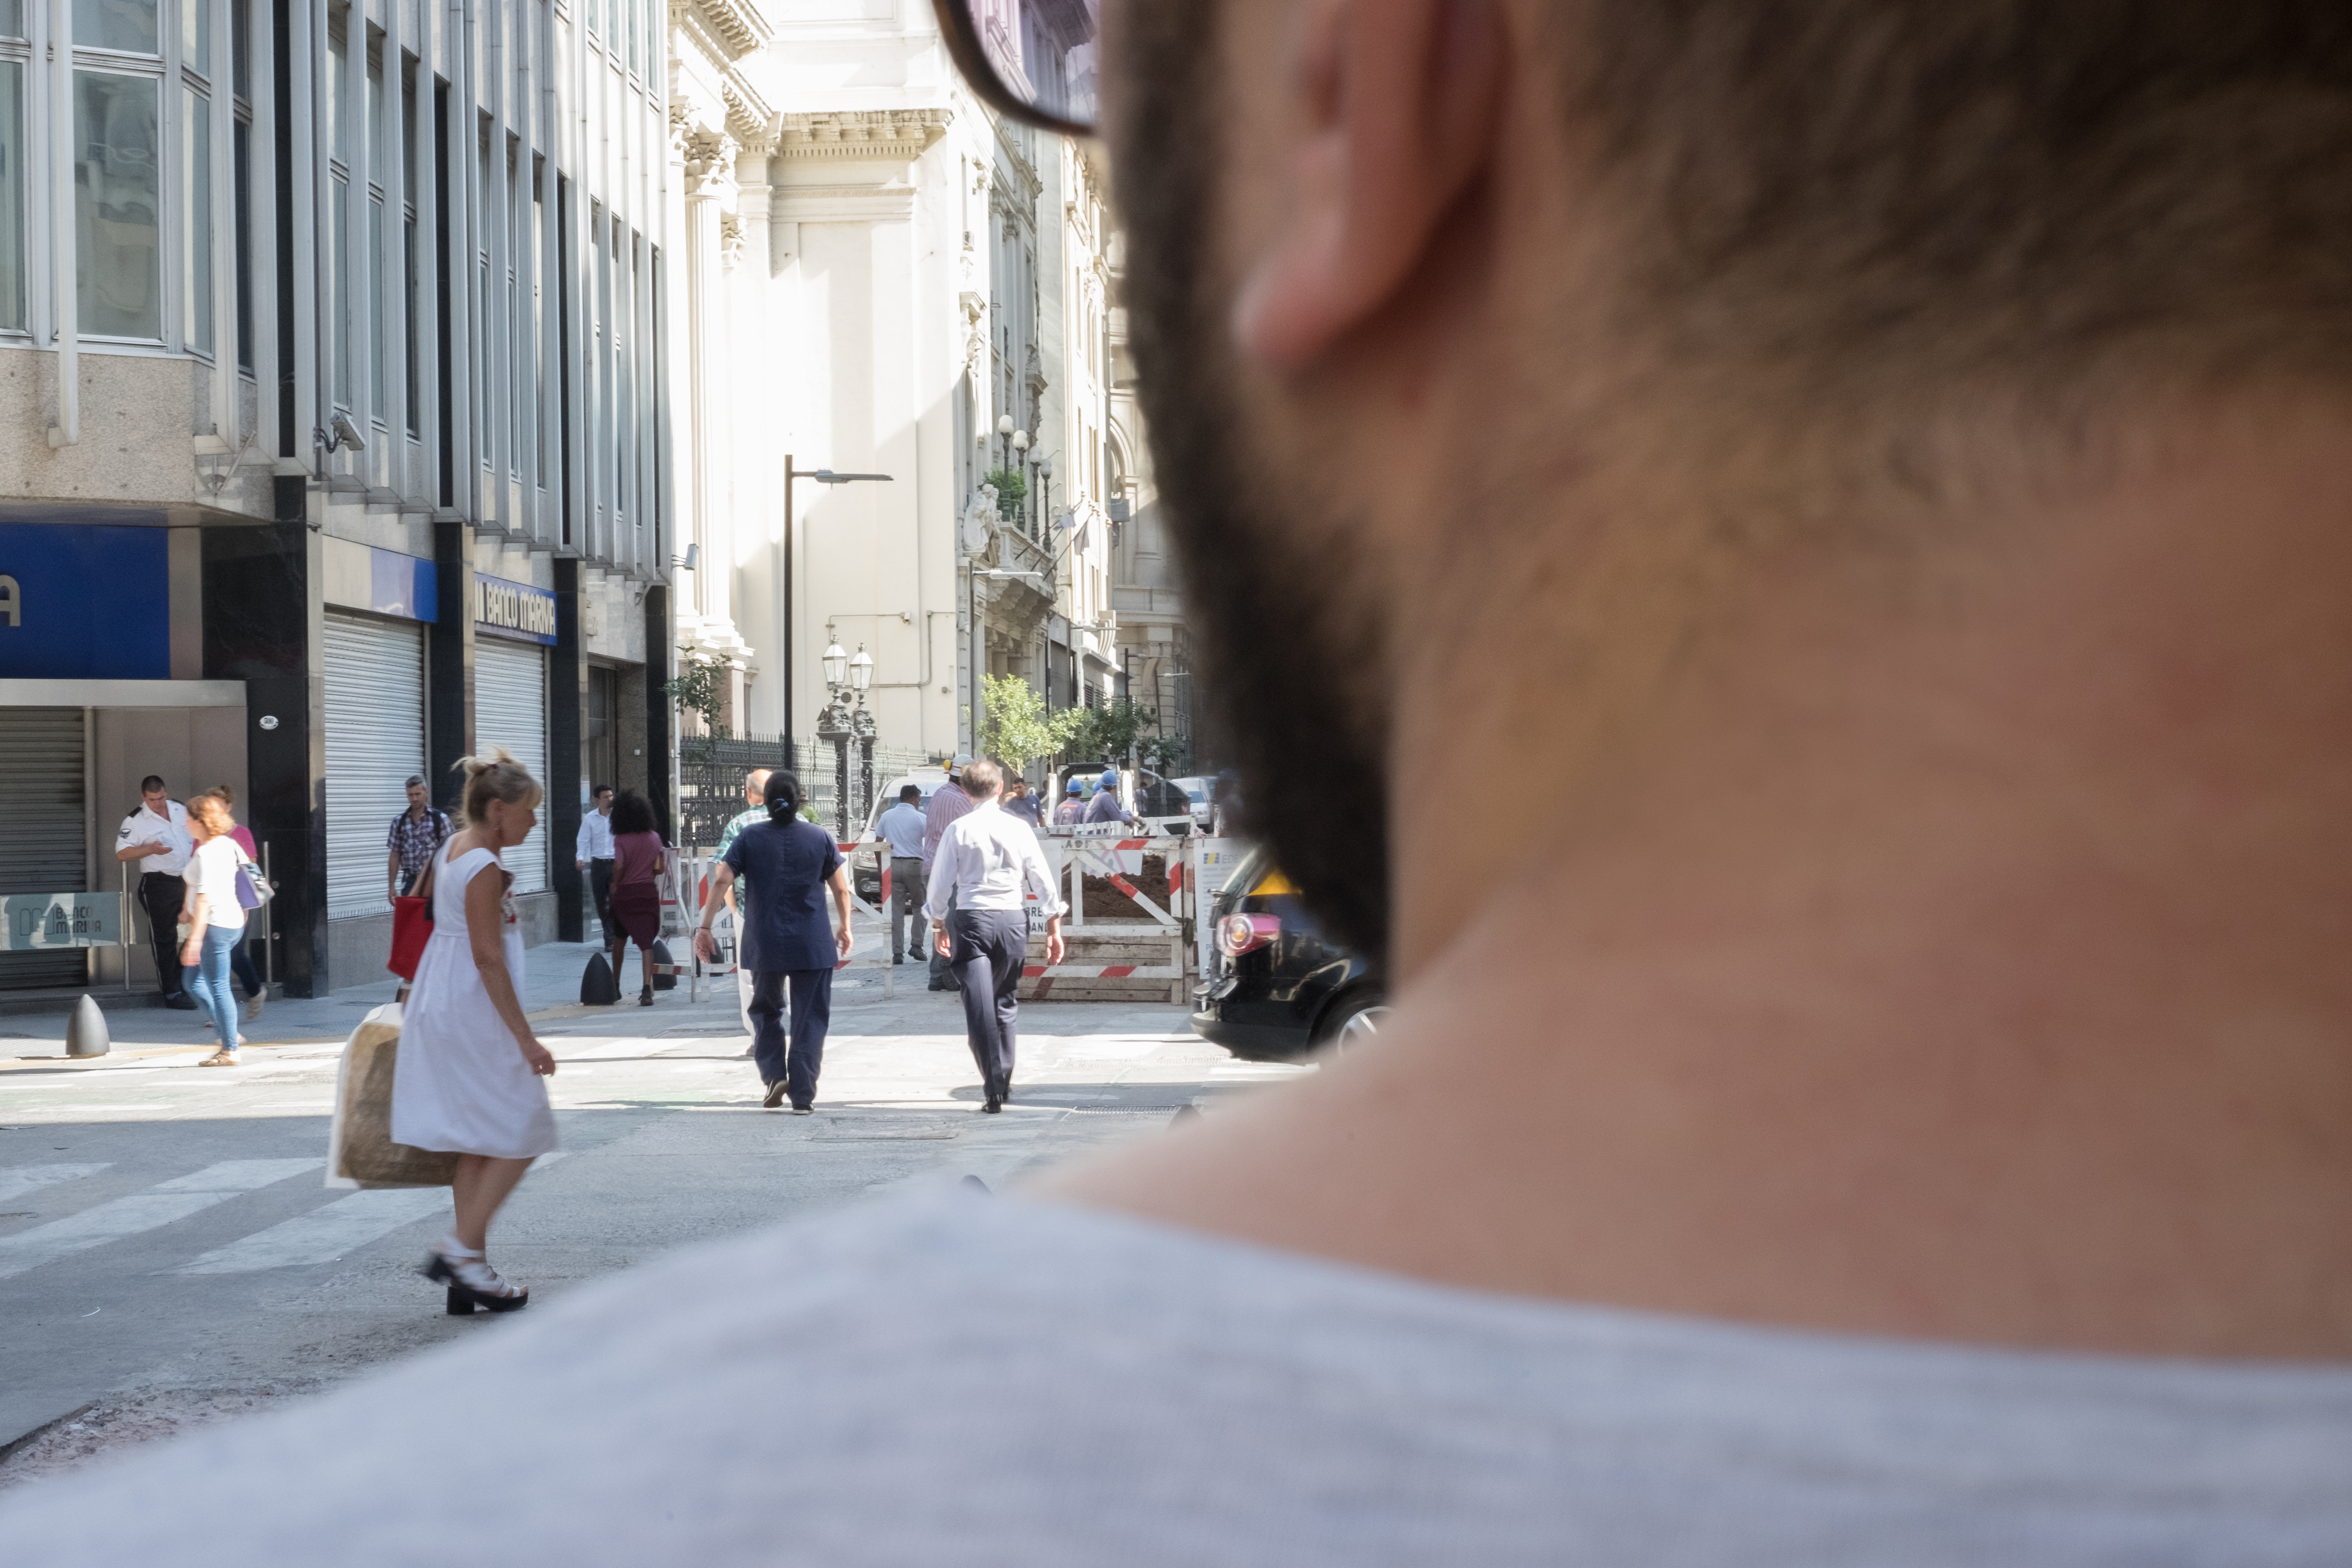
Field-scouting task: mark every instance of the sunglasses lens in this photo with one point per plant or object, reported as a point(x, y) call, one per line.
point(1045, 53)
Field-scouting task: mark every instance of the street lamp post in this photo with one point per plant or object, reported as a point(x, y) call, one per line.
point(784, 576)
point(847, 719)
point(862, 726)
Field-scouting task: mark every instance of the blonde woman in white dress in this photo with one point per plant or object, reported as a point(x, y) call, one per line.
point(469, 1072)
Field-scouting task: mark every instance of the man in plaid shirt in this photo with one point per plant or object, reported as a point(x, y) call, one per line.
point(417, 835)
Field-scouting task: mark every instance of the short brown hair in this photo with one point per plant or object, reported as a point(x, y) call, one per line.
point(1893, 194)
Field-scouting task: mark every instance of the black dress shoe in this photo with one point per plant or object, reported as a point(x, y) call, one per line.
point(775, 1095)
point(180, 1000)
point(991, 1105)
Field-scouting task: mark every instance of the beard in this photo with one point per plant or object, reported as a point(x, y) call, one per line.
point(1289, 653)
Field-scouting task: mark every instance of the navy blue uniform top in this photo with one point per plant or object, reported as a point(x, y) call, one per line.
point(787, 864)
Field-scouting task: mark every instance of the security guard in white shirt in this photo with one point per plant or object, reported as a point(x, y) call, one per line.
point(156, 836)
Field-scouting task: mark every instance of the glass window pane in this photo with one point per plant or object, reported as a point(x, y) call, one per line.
point(196, 147)
point(377, 310)
point(339, 204)
point(12, 19)
point(339, 113)
point(126, 24)
point(196, 35)
point(240, 45)
point(416, 316)
point(12, 194)
point(118, 195)
point(241, 149)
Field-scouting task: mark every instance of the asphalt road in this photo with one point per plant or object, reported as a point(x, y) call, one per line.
point(164, 1232)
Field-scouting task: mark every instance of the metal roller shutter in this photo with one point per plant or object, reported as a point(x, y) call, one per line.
point(45, 846)
point(511, 711)
point(376, 744)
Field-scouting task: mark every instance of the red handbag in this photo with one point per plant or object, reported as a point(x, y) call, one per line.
point(411, 925)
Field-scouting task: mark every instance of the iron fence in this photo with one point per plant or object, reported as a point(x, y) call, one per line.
point(710, 774)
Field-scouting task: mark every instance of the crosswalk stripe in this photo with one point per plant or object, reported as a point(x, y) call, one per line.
point(324, 1234)
point(330, 1230)
point(161, 1205)
point(15, 1183)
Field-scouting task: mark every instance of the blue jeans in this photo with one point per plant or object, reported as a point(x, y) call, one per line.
point(207, 981)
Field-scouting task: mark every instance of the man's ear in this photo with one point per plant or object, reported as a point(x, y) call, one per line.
point(1395, 103)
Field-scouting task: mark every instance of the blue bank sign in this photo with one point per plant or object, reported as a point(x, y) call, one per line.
point(85, 602)
point(514, 610)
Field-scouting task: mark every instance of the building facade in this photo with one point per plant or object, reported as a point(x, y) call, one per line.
point(334, 436)
point(900, 309)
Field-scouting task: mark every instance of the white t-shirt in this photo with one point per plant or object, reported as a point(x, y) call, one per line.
point(211, 875)
point(961, 1381)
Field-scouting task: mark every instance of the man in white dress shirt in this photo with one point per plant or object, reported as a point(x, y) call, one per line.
point(155, 837)
point(594, 853)
point(984, 861)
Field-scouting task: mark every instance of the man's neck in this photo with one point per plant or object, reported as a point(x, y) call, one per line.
point(1954, 952)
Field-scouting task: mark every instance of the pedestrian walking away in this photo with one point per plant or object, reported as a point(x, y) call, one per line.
point(638, 857)
point(470, 1071)
point(739, 897)
point(986, 862)
point(240, 957)
point(902, 829)
point(784, 940)
point(948, 803)
point(215, 922)
point(156, 839)
point(417, 835)
point(593, 855)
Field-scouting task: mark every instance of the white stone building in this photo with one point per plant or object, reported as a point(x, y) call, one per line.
point(877, 276)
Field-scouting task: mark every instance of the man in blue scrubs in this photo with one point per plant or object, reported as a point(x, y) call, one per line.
point(787, 942)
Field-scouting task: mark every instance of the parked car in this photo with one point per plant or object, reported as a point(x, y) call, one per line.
point(1198, 792)
point(865, 873)
point(1277, 989)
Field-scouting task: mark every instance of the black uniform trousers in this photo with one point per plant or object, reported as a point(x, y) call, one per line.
point(600, 883)
point(162, 895)
point(798, 1062)
point(988, 948)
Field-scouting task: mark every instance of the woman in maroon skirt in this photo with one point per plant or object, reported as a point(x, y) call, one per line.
point(637, 855)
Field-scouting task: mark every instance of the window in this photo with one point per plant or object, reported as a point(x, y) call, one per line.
point(12, 187)
point(339, 214)
point(196, 176)
point(118, 195)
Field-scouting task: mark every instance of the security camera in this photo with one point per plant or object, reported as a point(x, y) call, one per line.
point(347, 434)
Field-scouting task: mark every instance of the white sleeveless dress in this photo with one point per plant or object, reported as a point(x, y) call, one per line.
point(461, 1083)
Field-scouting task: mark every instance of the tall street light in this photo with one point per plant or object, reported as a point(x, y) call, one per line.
point(784, 577)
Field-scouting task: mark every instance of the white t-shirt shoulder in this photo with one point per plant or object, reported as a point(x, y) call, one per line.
point(212, 874)
point(971, 1381)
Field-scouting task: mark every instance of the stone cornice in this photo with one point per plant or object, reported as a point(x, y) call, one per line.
point(906, 133)
point(748, 118)
point(739, 25)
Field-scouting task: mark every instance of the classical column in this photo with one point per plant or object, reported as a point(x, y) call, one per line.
point(709, 193)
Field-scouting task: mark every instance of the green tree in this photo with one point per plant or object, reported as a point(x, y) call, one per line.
point(1111, 731)
point(700, 686)
point(1017, 728)
point(1012, 489)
